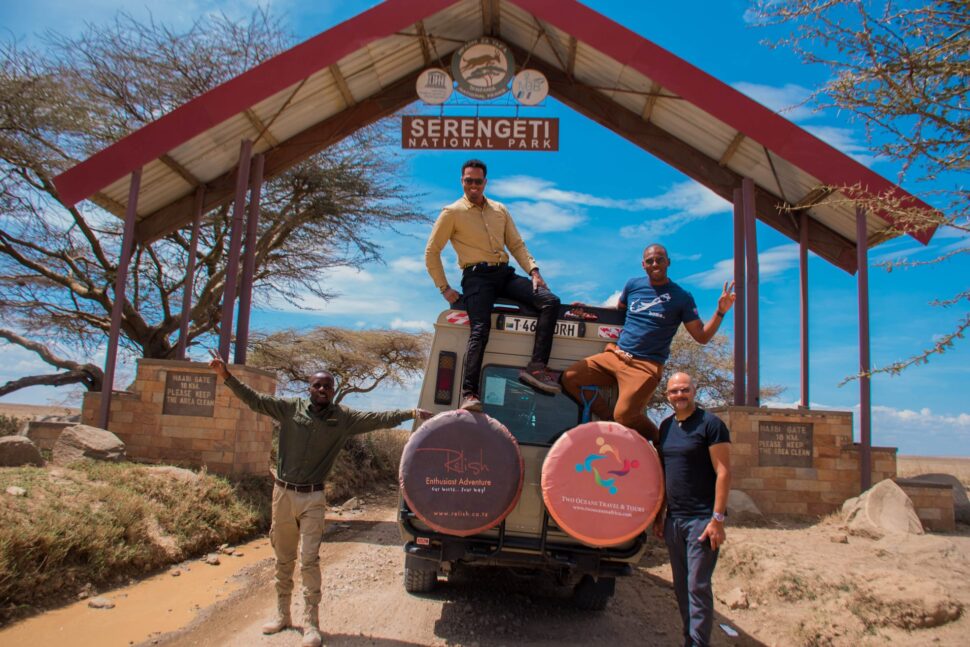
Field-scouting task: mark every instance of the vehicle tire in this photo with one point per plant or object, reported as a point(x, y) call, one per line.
point(416, 581)
point(592, 594)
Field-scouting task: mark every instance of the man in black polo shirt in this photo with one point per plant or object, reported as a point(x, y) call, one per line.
point(695, 453)
point(312, 433)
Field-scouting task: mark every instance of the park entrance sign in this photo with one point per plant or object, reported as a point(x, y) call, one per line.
point(480, 133)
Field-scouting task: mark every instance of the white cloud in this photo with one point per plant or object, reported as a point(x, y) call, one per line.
point(545, 217)
point(408, 264)
point(340, 305)
point(403, 324)
point(612, 300)
point(344, 275)
point(771, 263)
point(787, 100)
point(845, 140)
point(693, 202)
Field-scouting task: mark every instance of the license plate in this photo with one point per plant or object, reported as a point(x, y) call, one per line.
point(527, 325)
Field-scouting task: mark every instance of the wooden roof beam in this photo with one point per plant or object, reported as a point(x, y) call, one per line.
point(823, 240)
point(491, 18)
point(349, 100)
point(651, 101)
point(814, 197)
point(106, 202)
point(221, 190)
point(261, 128)
point(731, 149)
point(180, 170)
point(571, 57)
point(425, 43)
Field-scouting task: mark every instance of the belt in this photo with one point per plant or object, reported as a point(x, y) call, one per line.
point(314, 487)
point(478, 267)
point(622, 354)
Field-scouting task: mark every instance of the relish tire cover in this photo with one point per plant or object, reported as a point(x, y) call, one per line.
point(461, 473)
point(602, 483)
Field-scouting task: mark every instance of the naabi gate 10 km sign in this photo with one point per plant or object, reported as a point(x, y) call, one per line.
point(483, 68)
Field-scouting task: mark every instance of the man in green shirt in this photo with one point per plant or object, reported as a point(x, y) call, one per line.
point(312, 433)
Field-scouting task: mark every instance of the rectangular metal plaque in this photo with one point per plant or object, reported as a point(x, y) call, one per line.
point(784, 444)
point(189, 394)
point(480, 133)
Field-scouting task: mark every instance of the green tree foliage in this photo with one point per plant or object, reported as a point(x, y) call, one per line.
point(60, 104)
point(902, 70)
point(360, 360)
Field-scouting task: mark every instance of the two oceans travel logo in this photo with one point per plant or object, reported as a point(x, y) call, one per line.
point(602, 474)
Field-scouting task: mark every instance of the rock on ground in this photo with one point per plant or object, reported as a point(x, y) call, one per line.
point(83, 441)
point(961, 503)
point(742, 508)
point(101, 603)
point(19, 450)
point(920, 604)
point(882, 509)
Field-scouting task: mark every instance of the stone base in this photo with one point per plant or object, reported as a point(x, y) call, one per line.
point(772, 463)
point(234, 440)
point(933, 503)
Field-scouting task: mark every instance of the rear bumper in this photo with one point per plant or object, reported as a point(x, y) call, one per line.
point(427, 550)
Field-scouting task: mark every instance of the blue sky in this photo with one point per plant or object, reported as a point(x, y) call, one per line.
point(588, 210)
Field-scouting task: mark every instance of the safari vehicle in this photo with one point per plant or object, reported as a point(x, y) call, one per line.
point(528, 537)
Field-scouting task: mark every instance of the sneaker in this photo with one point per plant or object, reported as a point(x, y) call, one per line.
point(541, 379)
point(471, 402)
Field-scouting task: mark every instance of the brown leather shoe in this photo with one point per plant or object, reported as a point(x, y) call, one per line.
point(471, 402)
point(541, 379)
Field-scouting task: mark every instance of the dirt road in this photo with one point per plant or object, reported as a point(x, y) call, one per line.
point(364, 602)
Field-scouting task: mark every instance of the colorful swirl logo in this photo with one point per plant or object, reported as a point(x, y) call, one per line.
point(605, 452)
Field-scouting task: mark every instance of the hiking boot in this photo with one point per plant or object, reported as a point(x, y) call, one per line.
point(540, 378)
point(471, 402)
point(311, 627)
point(282, 619)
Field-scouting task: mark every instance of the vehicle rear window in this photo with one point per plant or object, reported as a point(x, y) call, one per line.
point(533, 418)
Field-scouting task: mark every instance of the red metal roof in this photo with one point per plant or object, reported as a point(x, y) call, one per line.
point(363, 69)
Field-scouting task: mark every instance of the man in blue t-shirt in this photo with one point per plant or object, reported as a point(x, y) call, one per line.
point(655, 307)
point(695, 451)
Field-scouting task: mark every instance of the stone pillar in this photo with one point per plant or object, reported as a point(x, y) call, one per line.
point(178, 412)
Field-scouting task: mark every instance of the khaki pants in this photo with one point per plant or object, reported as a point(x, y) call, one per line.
point(636, 380)
point(298, 519)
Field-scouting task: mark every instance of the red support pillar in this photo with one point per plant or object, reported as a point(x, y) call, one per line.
point(249, 262)
point(190, 275)
point(865, 401)
point(751, 257)
point(121, 278)
point(235, 242)
point(803, 299)
point(739, 303)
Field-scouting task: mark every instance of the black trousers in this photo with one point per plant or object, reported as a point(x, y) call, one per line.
point(480, 289)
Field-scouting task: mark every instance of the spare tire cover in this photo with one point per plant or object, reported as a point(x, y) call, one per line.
point(461, 472)
point(602, 483)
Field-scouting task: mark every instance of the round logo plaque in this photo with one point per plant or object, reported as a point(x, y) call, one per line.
point(461, 473)
point(530, 87)
point(483, 68)
point(602, 483)
point(434, 86)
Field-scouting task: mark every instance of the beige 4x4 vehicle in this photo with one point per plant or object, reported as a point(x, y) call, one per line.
point(528, 537)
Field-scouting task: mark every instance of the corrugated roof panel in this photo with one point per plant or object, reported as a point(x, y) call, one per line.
point(692, 125)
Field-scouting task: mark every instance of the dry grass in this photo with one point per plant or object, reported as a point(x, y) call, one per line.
point(366, 462)
point(907, 466)
point(100, 524)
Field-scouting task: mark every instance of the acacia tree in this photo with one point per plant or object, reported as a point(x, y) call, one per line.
point(710, 365)
point(58, 264)
point(903, 71)
point(359, 360)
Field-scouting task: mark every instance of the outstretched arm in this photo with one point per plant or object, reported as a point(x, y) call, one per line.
point(274, 407)
point(704, 332)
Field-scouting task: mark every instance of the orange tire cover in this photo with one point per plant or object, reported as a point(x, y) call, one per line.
point(461, 473)
point(602, 483)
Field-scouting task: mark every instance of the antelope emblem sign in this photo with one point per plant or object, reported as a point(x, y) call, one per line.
point(483, 68)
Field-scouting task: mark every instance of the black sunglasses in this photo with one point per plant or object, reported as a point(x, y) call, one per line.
point(659, 260)
point(477, 181)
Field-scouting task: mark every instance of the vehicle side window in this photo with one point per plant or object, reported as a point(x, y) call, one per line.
point(533, 418)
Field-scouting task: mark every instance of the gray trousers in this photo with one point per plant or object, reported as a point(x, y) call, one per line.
point(693, 565)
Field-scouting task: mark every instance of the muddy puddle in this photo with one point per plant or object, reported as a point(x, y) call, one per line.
point(143, 610)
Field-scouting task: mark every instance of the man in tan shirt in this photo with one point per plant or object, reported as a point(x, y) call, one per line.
point(481, 230)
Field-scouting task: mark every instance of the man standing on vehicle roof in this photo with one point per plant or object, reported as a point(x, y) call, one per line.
point(655, 307)
point(312, 433)
point(480, 230)
point(695, 451)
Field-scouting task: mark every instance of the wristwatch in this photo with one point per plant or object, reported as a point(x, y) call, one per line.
point(719, 517)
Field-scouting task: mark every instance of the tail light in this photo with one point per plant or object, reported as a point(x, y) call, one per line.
point(444, 383)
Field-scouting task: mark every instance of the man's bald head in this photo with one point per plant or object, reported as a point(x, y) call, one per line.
point(681, 393)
